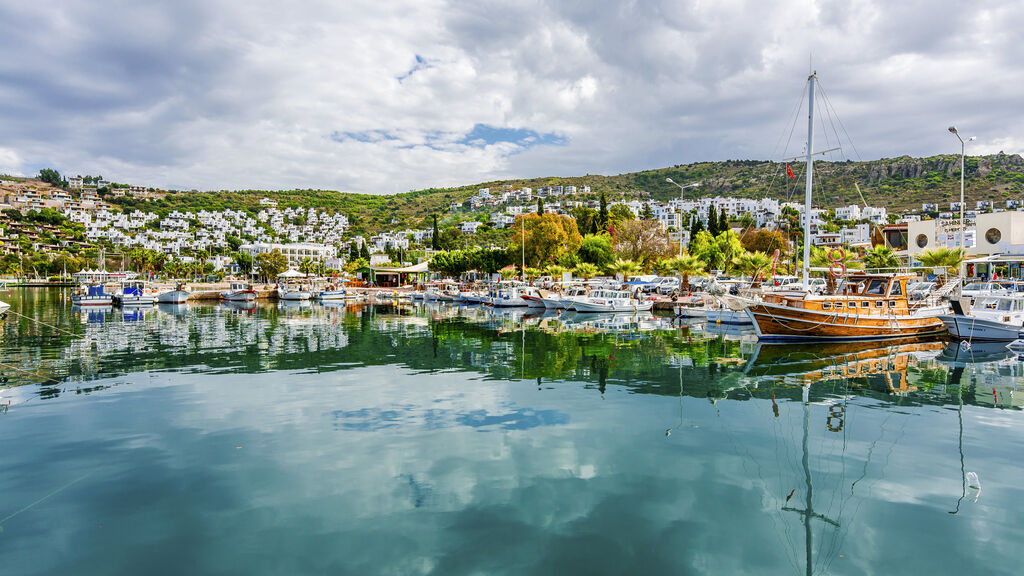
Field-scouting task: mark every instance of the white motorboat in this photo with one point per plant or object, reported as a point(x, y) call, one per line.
point(135, 293)
point(612, 301)
point(511, 295)
point(991, 317)
point(335, 294)
point(4, 307)
point(239, 292)
point(91, 295)
point(177, 296)
point(293, 293)
point(727, 316)
point(574, 294)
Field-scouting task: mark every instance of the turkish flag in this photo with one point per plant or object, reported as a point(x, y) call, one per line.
point(790, 172)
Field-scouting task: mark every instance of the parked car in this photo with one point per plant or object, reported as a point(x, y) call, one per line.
point(668, 285)
point(920, 290)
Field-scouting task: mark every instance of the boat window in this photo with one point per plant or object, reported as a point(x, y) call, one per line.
point(865, 304)
point(876, 287)
point(879, 303)
point(1005, 305)
point(839, 304)
point(826, 305)
point(892, 303)
point(897, 288)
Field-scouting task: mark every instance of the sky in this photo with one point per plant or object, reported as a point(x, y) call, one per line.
point(387, 97)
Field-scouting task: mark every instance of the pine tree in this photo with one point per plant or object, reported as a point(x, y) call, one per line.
point(365, 252)
point(540, 206)
point(353, 250)
point(602, 213)
point(713, 220)
point(435, 239)
point(696, 226)
point(723, 222)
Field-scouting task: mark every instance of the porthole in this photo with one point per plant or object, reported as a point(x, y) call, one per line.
point(993, 235)
point(922, 240)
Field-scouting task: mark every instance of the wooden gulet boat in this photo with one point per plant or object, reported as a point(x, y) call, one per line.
point(867, 307)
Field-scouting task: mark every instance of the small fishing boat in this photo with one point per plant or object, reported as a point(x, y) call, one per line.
point(612, 301)
point(333, 293)
point(573, 295)
point(4, 307)
point(177, 296)
point(91, 295)
point(135, 293)
point(991, 318)
point(293, 292)
point(239, 292)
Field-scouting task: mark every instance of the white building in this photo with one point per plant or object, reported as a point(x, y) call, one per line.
point(296, 252)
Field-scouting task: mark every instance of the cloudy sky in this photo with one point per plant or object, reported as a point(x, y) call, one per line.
point(384, 97)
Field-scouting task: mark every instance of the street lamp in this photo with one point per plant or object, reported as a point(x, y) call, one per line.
point(963, 228)
point(681, 188)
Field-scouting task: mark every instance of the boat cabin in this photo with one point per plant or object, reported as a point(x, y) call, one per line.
point(860, 294)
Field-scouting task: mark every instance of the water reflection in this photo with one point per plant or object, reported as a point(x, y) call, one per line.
point(455, 440)
point(638, 352)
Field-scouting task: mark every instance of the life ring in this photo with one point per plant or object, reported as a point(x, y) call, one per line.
point(837, 269)
point(836, 255)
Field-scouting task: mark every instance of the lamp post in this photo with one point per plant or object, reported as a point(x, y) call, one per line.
point(681, 189)
point(963, 148)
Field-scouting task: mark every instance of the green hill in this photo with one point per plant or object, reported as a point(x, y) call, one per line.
point(896, 183)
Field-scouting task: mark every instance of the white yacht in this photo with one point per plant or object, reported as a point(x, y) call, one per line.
point(509, 295)
point(612, 301)
point(992, 317)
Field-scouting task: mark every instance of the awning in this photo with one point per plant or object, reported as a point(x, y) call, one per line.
point(420, 268)
point(291, 274)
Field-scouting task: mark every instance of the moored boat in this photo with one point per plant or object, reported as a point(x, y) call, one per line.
point(91, 295)
point(179, 295)
point(992, 318)
point(135, 293)
point(239, 292)
point(867, 307)
point(612, 301)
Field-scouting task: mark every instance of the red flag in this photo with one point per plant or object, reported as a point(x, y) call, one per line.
point(995, 274)
point(790, 172)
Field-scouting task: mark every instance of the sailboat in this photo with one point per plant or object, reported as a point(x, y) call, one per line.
point(867, 306)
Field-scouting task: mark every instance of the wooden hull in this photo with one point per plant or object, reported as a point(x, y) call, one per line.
point(786, 324)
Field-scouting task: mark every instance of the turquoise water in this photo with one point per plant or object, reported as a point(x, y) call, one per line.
point(445, 440)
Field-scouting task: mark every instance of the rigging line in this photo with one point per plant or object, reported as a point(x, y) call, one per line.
point(46, 497)
point(40, 322)
point(840, 120)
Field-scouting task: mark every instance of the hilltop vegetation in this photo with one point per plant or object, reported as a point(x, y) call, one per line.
point(896, 183)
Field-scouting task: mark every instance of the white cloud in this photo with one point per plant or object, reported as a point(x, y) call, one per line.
point(249, 94)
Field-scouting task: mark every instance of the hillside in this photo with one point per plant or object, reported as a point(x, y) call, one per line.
point(896, 183)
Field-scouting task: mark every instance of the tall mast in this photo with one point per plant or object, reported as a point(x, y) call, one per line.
point(810, 176)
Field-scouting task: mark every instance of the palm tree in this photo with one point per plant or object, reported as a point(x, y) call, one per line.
point(532, 272)
point(686, 265)
point(881, 257)
point(555, 271)
point(585, 270)
point(625, 267)
point(752, 263)
point(941, 258)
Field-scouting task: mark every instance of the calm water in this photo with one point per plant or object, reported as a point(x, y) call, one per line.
point(439, 440)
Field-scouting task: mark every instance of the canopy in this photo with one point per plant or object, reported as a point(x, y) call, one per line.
point(291, 274)
point(414, 269)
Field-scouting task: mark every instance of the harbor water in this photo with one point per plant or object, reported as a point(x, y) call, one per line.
point(401, 438)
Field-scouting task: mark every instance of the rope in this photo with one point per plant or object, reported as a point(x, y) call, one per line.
point(57, 328)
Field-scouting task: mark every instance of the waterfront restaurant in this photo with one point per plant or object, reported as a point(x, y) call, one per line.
point(995, 242)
